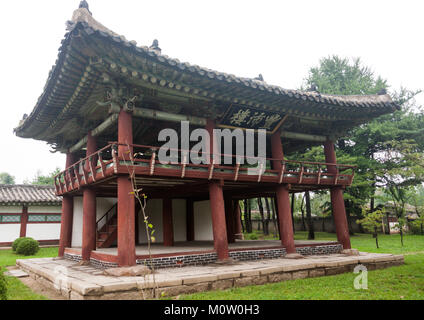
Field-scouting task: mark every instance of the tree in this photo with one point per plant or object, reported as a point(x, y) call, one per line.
point(311, 233)
point(6, 178)
point(371, 222)
point(44, 180)
point(364, 144)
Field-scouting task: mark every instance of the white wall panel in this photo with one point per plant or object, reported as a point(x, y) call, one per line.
point(9, 232)
point(43, 231)
point(202, 221)
point(179, 219)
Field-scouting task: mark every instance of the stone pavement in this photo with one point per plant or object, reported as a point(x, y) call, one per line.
point(86, 282)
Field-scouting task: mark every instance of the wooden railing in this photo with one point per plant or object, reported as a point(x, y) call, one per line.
point(143, 160)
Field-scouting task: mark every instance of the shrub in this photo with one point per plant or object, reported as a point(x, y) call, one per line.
point(251, 236)
point(3, 286)
point(16, 243)
point(27, 247)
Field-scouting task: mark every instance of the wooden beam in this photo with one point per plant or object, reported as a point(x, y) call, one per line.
point(303, 136)
point(96, 132)
point(165, 116)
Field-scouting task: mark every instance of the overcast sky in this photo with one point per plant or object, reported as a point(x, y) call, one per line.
point(279, 39)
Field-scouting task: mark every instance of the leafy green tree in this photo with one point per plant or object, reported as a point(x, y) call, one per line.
point(372, 222)
point(6, 178)
point(364, 145)
point(44, 180)
point(341, 76)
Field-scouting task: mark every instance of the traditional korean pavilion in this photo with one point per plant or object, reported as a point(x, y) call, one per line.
point(104, 104)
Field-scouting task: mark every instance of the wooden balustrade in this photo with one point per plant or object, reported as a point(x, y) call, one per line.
point(143, 161)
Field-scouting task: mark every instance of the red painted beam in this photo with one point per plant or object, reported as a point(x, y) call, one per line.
point(277, 150)
point(285, 218)
point(24, 222)
point(168, 226)
point(218, 220)
point(89, 223)
point(89, 209)
point(126, 199)
point(337, 201)
point(67, 215)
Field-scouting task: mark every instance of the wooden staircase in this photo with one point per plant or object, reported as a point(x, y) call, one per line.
point(107, 228)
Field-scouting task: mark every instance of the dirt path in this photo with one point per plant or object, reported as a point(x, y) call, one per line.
point(38, 288)
point(42, 290)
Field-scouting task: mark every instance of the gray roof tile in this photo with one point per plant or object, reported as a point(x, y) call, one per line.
point(28, 194)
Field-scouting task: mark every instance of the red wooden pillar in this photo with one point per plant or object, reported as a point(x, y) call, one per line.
point(337, 201)
point(190, 219)
point(126, 200)
point(216, 198)
point(89, 210)
point(212, 148)
point(285, 218)
point(229, 213)
point(218, 220)
point(283, 197)
point(168, 225)
point(67, 215)
point(277, 150)
point(24, 222)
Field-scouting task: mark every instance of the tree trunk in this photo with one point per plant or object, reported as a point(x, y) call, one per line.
point(388, 223)
point(275, 207)
point(303, 214)
point(247, 221)
point(261, 211)
point(273, 216)
point(243, 228)
point(376, 237)
point(311, 233)
point(293, 201)
point(249, 216)
point(268, 215)
point(401, 235)
point(349, 220)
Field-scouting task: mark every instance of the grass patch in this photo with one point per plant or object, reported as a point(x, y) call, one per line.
point(396, 283)
point(16, 289)
point(362, 241)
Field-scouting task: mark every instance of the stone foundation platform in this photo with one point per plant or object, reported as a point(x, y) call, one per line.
point(200, 253)
point(76, 282)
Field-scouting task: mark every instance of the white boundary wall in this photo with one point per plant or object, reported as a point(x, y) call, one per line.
point(38, 231)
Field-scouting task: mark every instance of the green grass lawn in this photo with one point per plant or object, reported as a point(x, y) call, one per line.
point(16, 289)
point(403, 282)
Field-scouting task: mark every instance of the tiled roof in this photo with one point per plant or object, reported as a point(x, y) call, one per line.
point(28, 194)
point(75, 81)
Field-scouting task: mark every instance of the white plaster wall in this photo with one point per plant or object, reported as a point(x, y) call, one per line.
point(77, 223)
point(179, 214)
point(43, 231)
point(9, 232)
point(154, 212)
point(45, 209)
point(202, 221)
point(102, 206)
point(10, 209)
